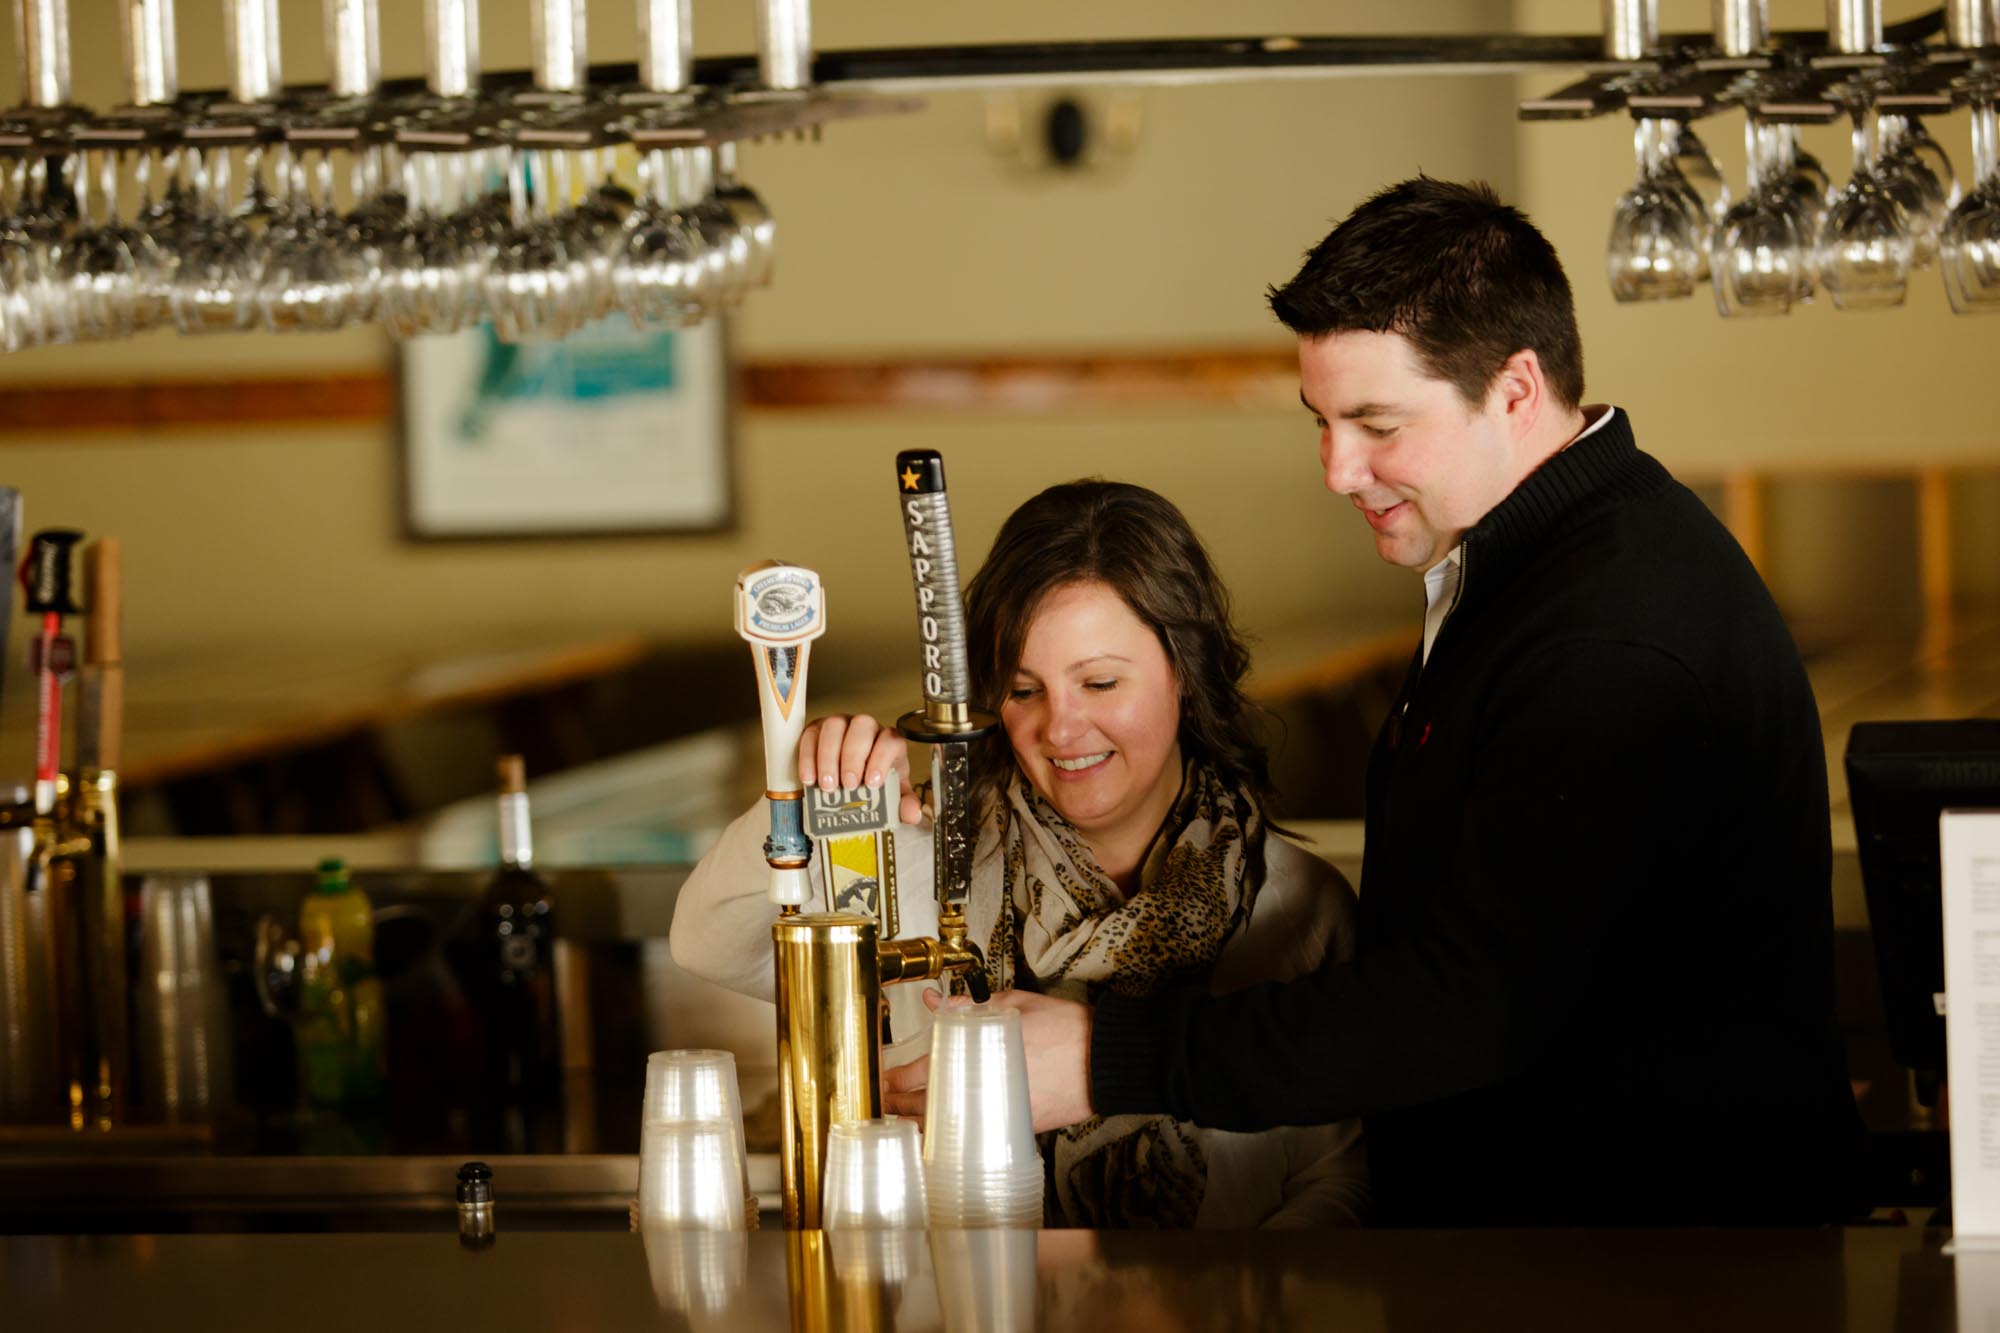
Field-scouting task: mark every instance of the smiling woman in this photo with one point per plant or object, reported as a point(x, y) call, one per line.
point(1122, 847)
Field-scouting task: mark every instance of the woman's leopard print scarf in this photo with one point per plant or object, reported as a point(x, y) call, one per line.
point(1068, 931)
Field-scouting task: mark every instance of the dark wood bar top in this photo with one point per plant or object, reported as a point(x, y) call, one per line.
point(1868, 1278)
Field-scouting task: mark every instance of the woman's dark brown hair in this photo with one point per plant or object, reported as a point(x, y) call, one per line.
point(1135, 541)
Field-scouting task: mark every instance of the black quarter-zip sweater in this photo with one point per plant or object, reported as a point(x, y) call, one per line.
point(1594, 980)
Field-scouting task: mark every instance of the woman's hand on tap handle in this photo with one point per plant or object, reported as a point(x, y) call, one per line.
point(856, 751)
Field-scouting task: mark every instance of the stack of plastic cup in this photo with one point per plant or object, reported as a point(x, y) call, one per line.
point(690, 1175)
point(698, 1085)
point(981, 1168)
point(874, 1178)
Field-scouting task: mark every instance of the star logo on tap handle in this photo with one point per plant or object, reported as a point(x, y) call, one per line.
point(910, 477)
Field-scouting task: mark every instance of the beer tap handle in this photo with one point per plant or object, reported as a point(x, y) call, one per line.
point(780, 610)
point(934, 571)
point(103, 656)
point(947, 721)
point(10, 547)
point(46, 576)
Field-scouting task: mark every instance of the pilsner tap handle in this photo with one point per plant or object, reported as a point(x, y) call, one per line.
point(780, 610)
point(947, 722)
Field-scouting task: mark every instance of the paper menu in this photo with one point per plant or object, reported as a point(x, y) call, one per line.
point(1969, 859)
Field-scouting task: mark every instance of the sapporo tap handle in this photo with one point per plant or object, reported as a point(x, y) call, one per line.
point(934, 573)
point(46, 573)
point(780, 610)
point(947, 722)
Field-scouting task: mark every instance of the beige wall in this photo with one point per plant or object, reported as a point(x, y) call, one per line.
point(902, 234)
point(909, 235)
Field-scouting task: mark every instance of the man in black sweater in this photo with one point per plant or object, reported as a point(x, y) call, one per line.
point(1594, 978)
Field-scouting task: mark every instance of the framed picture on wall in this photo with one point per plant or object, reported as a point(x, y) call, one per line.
point(611, 432)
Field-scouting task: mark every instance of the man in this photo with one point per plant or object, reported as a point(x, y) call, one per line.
point(1594, 980)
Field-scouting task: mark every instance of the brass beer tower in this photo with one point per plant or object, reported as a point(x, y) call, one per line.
point(830, 967)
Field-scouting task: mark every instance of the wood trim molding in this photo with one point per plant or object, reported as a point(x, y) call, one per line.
point(987, 384)
point(1001, 384)
point(30, 410)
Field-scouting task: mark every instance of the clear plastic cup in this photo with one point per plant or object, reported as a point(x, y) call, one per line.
point(874, 1178)
point(696, 1272)
point(976, 1121)
point(691, 1175)
point(691, 1085)
point(881, 1259)
point(697, 1085)
point(985, 1281)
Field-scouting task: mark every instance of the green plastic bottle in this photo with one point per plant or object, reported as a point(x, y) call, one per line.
point(340, 996)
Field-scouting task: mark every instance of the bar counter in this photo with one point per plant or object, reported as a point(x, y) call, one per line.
point(1873, 1278)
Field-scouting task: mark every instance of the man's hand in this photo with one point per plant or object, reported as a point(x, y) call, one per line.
point(1056, 1036)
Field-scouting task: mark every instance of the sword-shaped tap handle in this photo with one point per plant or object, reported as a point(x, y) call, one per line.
point(947, 722)
point(46, 576)
point(780, 610)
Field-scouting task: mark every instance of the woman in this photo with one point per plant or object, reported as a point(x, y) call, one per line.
point(1122, 846)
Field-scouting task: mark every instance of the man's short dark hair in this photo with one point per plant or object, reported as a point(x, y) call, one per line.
point(1466, 278)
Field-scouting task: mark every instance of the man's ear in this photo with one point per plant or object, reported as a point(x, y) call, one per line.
point(1520, 392)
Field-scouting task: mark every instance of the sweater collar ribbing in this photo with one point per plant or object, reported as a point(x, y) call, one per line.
point(1605, 465)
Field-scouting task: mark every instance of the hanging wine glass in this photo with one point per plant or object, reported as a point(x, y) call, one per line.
point(529, 285)
point(1760, 259)
point(1914, 169)
point(754, 220)
point(215, 284)
point(309, 276)
point(658, 275)
point(1655, 250)
point(1866, 247)
point(1969, 241)
point(114, 274)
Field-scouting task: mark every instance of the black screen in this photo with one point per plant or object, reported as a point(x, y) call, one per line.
point(1900, 777)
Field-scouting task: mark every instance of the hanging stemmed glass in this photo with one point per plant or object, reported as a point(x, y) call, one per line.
point(754, 220)
point(308, 276)
point(24, 278)
point(1866, 245)
point(1914, 168)
point(1759, 262)
point(49, 218)
point(659, 272)
point(379, 224)
point(529, 285)
point(728, 259)
point(1969, 241)
point(431, 277)
point(215, 283)
point(593, 232)
point(1655, 250)
point(114, 274)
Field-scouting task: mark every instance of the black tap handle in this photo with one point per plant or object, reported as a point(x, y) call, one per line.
point(45, 574)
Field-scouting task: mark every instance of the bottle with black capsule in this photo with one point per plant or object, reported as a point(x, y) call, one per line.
point(520, 1095)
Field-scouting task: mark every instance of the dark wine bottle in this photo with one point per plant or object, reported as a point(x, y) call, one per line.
point(521, 1083)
